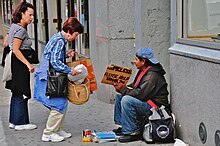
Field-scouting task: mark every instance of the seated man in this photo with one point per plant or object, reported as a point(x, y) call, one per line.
point(131, 101)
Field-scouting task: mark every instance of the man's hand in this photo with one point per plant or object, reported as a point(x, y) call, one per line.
point(118, 85)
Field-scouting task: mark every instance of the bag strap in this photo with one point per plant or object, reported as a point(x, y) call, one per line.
point(64, 53)
point(75, 58)
point(87, 90)
point(152, 104)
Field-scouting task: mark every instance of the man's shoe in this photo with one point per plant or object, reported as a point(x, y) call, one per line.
point(129, 138)
point(118, 131)
point(52, 137)
point(11, 126)
point(25, 127)
point(64, 134)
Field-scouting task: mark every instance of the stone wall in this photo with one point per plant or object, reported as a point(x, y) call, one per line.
point(195, 92)
point(116, 22)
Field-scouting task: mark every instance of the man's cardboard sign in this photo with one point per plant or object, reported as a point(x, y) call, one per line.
point(116, 74)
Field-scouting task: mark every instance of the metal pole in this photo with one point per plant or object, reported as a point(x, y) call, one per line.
point(71, 8)
point(46, 21)
point(35, 27)
point(59, 19)
point(71, 14)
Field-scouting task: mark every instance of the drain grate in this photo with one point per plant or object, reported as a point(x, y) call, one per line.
point(202, 132)
point(217, 138)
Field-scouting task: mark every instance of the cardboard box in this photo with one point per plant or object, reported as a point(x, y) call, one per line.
point(116, 74)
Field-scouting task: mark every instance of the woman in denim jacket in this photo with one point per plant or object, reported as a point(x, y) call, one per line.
point(54, 54)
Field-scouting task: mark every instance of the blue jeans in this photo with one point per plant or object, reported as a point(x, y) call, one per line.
point(127, 109)
point(19, 110)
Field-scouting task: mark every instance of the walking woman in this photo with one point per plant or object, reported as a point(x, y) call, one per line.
point(54, 55)
point(20, 42)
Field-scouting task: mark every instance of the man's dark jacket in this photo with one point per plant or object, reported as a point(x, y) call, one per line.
point(151, 86)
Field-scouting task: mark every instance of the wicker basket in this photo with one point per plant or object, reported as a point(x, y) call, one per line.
point(79, 93)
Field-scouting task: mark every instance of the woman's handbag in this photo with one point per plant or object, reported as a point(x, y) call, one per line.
point(56, 84)
point(7, 74)
point(30, 55)
point(79, 93)
point(88, 64)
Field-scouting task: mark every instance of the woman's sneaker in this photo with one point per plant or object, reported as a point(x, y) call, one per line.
point(64, 134)
point(52, 137)
point(11, 126)
point(25, 127)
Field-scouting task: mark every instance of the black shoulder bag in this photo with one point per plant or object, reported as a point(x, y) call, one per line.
point(57, 82)
point(30, 55)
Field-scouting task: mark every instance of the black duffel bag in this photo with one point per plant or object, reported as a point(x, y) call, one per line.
point(160, 127)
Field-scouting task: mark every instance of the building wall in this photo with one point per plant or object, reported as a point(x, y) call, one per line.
point(116, 22)
point(156, 30)
point(194, 76)
point(195, 91)
point(114, 42)
point(1, 21)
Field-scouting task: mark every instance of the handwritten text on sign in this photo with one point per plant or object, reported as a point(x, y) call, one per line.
point(116, 74)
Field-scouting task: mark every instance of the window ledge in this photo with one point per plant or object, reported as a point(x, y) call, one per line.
point(199, 43)
point(195, 52)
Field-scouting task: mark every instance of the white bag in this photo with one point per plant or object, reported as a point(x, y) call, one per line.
point(179, 142)
point(79, 78)
point(7, 75)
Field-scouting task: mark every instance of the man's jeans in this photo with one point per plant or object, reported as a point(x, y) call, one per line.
point(127, 109)
point(19, 110)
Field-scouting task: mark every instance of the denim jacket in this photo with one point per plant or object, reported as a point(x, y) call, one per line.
point(40, 84)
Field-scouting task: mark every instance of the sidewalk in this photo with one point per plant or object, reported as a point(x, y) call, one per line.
point(94, 115)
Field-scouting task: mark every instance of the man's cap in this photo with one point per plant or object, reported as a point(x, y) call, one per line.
point(147, 53)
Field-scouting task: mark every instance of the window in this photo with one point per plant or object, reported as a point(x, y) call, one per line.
point(7, 11)
point(200, 20)
point(41, 21)
point(81, 12)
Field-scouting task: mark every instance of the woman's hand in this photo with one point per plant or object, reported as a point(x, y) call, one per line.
point(71, 53)
point(74, 72)
point(31, 68)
